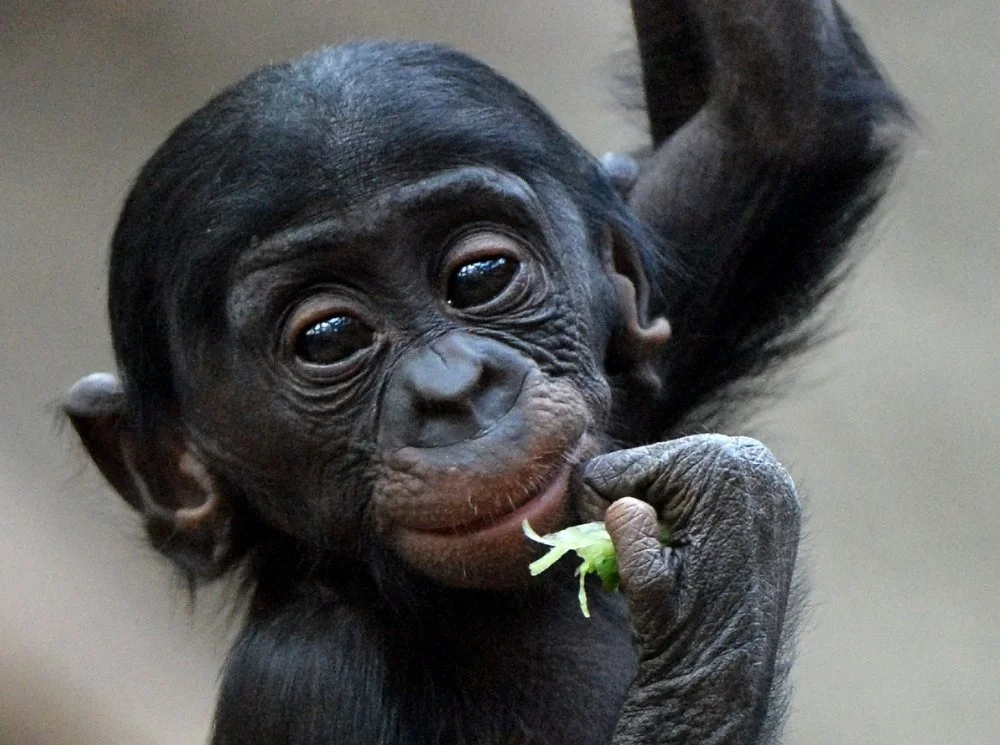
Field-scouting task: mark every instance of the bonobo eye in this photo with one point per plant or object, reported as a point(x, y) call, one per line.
point(324, 333)
point(481, 267)
point(478, 282)
point(332, 340)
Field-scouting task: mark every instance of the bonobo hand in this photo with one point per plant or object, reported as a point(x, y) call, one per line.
point(706, 613)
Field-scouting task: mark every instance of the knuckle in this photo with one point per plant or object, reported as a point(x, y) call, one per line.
point(743, 474)
point(768, 477)
point(596, 472)
point(752, 463)
point(606, 471)
point(679, 476)
point(706, 457)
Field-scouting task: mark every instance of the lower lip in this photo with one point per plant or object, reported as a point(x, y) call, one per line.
point(538, 511)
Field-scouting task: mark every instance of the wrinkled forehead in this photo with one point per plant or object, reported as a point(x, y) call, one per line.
point(336, 128)
point(345, 124)
point(328, 134)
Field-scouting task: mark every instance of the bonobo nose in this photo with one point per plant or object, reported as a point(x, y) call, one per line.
point(451, 390)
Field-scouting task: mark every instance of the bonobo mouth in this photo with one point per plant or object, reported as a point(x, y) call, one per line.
point(464, 529)
point(485, 494)
point(533, 506)
point(476, 550)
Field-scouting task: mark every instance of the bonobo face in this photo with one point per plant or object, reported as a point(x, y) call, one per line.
point(365, 304)
point(416, 370)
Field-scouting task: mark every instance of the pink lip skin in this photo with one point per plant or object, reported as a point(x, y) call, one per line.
point(540, 504)
point(492, 552)
point(538, 508)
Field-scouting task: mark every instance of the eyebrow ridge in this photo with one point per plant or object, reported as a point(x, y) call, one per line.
point(410, 197)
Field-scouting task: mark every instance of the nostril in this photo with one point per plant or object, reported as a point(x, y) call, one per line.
point(442, 408)
point(488, 376)
point(496, 394)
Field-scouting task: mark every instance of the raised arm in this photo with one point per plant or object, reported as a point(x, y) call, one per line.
point(773, 135)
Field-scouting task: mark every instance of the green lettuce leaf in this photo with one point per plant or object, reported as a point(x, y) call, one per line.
point(592, 544)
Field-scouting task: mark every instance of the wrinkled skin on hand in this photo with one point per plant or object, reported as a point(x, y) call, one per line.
point(707, 611)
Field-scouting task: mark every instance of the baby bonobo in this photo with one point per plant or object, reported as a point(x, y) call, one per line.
point(373, 310)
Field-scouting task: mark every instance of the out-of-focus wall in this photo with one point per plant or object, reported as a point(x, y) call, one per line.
point(892, 430)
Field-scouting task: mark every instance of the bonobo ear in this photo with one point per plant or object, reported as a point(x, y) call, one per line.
point(187, 516)
point(622, 170)
point(637, 341)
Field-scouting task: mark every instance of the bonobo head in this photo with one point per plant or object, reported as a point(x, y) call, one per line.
point(371, 306)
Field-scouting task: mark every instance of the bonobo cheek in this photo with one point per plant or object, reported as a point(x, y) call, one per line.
point(454, 513)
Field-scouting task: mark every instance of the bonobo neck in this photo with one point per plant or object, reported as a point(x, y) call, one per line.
point(490, 668)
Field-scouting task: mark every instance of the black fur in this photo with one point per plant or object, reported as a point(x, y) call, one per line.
point(740, 236)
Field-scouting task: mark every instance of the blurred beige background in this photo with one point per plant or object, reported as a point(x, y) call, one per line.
point(891, 429)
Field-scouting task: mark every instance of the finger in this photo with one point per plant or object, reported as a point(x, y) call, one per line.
point(642, 559)
point(619, 474)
